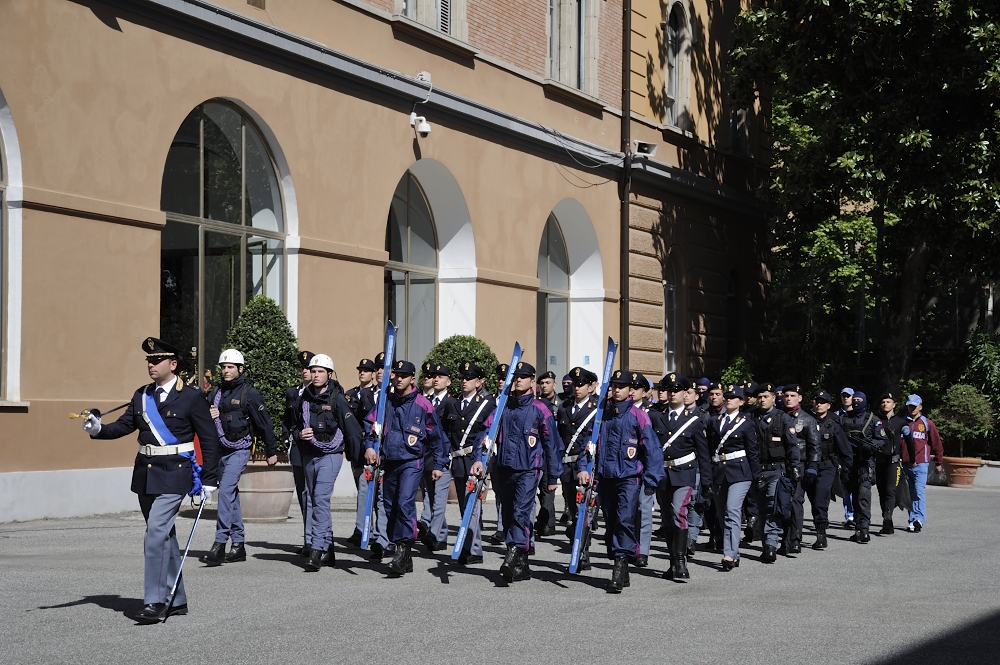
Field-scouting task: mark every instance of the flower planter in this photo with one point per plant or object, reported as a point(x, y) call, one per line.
point(961, 471)
point(266, 492)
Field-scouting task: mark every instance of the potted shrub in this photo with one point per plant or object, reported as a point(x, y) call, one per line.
point(456, 349)
point(264, 336)
point(964, 416)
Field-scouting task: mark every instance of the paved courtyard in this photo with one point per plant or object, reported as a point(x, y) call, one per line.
point(66, 587)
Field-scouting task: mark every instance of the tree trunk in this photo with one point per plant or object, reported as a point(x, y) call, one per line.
point(904, 311)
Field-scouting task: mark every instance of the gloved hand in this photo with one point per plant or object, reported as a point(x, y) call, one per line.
point(377, 430)
point(92, 425)
point(761, 483)
point(707, 491)
point(649, 491)
point(796, 474)
point(207, 491)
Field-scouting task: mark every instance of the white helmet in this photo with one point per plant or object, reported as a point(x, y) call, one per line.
point(322, 360)
point(231, 356)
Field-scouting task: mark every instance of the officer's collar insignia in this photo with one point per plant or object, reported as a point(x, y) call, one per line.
point(179, 385)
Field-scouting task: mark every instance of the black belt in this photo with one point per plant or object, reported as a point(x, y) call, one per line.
point(772, 467)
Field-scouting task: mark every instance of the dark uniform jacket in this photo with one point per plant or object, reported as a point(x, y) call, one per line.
point(361, 400)
point(894, 431)
point(627, 448)
point(292, 394)
point(242, 410)
point(185, 413)
point(833, 443)
point(740, 434)
point(474, 415)
point(329, 413)
point(448, 414)
point(691, 440)
point(774, 441)
point(552, 403)
point(802, 429)
point(412, 430)
point(527, 439)
point(867, 435)
point(569, 423)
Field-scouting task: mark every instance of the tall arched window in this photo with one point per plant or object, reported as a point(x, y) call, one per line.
point(669, 317)
point(224, 238)
point(673, 41)
point(3, 268)
point(411, 273)
point(733, 317)
point(552, 320)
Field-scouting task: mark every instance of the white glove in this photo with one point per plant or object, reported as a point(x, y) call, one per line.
point(92, 425)
point(377, 430)
point(207, 491)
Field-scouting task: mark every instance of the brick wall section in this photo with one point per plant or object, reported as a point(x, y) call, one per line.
point(609, 63)
point(512, 31)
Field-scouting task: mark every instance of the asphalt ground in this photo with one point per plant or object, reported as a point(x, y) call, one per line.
point(68, 586)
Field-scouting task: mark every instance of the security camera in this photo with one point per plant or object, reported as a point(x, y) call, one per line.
point(644, 148)
point(420, 122)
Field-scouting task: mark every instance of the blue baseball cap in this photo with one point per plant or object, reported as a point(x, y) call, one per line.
point(913, 400)
point(847, 391)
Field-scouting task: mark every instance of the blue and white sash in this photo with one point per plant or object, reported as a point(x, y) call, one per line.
point(151, 414)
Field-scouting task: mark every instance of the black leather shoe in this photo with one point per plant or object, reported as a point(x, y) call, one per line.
point(617, 582)
point(421, 530)
point(887, 528)
point(748, 532)
point(355, 538)
point(329, 559)
point(769, 555)
point(565, 517)
point(157, 612)
point(402, 561)
point(783, 550)
point(377, 552)
point(850, 525)
point(507, 567)
point(864, 537)
point(497, 538)
point(215, 556)
point(642, 561)
point(917, 526)
point(728, 564)
point(521, 570)
point(795, 547)
point(821, 542)
point(465, 559)
point(546, 531)
point(584, 559)
point(305, 550)
point(680, 545)
point(238, 553)
point(316, 559)
point(626, 582)
point(432, 544)
point(692, 547)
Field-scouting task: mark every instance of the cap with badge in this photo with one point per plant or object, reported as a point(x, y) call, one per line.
point(471, 370)
point(427, 369)
point(366, 365)
point(380, 359)
point(732, 391)
point(822, 396)
point(305, 357)
point(888, 395)
point(792, 388)
point(548, 375)
point(750, 388)
point(404, 367)
point(715, 385)
point(639, 381)
point(581, 377)
point(674, 382)
point(502, 370)
point(764, 387)
point(620, 378)
point(524, 369)
point(437, 369)
point(158, 349)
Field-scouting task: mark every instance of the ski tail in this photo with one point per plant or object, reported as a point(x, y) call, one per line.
point(372, 473)
point(476, 484)
point(584, 494)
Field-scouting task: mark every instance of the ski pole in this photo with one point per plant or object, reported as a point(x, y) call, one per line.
point(173, 590)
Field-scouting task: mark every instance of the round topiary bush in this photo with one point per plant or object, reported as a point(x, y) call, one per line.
point(964, 414)
point(269, 346)
point(455, 350)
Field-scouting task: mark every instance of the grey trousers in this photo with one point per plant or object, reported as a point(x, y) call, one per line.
point(460, 473)
point(644, 521)
point(321, 474)
point(379, 519)
point(695, 510)
point(729, 504)
point(435, 503)
point(229, 522)
point(678, 497)
point(162, 554)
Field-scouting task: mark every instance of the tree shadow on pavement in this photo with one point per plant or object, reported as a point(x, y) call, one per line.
point(113, 602)
point(972, 644)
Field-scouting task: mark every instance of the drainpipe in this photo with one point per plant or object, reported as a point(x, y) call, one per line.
point(626, 181)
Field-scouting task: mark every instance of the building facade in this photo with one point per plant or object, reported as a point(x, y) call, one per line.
point(164, 161)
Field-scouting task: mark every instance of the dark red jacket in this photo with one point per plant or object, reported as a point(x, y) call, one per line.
point(919, 438)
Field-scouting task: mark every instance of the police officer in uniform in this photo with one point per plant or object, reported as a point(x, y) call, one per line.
point(361, 399)
point(803, 430)
point(710, 409)
point(527, 444)
point(325, 428)
point(427, 379)
point(411, 429)
point(777, 452)
point(640, 393)
point(686, 462)
point(576, 422)
point(546, 518)
point(292, 394)
point(498, 538)
point(473, 408)
point(240, 416)
point(628, 464)
point(887, 468)
point(168, 415)
point(433, 526)
point(835, 451)
point(867, 435)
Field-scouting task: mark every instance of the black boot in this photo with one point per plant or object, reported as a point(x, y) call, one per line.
point(402, 561)
point(316, 559)
point(215, 556)
point(865, 537)
point(521, 569)
point(748, 532)
point(617, 582)
point(305, 550)
point(329, 559)
point(887, 528)
point(728, 564)
point(376, 552)
point(770, 554)
point(507, 567)
point(584, 559)
point(238, 553)
point(626, 582)
point(691, 547)
point(794, 547)
point(820, 543)
point(680, 546)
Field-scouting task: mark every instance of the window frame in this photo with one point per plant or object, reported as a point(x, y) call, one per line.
point(4, 266)
point(243, 229)
point(670, 318)
point(674, 63)
point(544, 291)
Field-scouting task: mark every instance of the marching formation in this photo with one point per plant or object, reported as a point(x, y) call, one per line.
point(736, 459)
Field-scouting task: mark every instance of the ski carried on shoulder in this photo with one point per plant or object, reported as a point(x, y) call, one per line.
point(476, 486)
point(586, 498)
point(373, 473)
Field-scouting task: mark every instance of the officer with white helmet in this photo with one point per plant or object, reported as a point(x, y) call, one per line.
point(240, 417)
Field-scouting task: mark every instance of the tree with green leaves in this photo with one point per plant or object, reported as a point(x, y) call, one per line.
point(455, 350)
point(887, 113)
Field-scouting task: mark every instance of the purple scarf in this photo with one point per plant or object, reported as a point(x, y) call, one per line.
point(328, 447)
point(243, 443)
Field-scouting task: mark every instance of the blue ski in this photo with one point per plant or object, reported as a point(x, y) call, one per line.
point(585, 497)
point(373, 473)
point(476, 485)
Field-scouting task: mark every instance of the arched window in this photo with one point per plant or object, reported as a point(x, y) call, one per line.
point(669, 317)
point(733, 317)
point(552, 320)
point(411, 273)
point(674, 35)
point(3, 269)
point(224, 238)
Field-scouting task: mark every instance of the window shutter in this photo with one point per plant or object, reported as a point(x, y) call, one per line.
point(444, 16)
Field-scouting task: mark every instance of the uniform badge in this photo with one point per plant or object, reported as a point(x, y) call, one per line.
point(631, 452)
point(920, 427)
point(234, 401)
point(906, 430)
point(326, 407)
point(412, 439)
point(799, 425)
point(532, 440)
